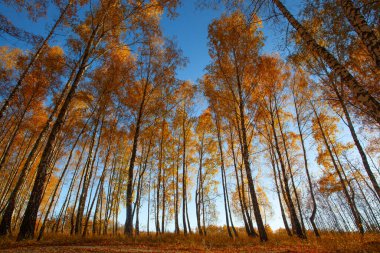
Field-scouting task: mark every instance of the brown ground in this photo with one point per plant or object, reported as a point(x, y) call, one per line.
point(194, 243)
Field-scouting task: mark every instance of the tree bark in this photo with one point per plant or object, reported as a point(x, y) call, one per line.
point(245, 153)
point(293, 215)
point(128, 228)
point(247, 228)
point(184, 178)
point(271, 152)
point(58, 184)
point(30, 215)
point(352, 206)
point(314, 211)
point(5, 226)
point(222, 171)
point(88, 171)
point(362, 95)
point(290, 167)
point(199, 189)
point(358, 145)
point(366, 34)
point(176, 200)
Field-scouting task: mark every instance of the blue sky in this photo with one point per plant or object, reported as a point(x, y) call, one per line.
point(189, 30)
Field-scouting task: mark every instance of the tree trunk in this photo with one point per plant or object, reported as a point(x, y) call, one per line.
point(217, 124)
point(271, 152)
point(87, 176)
point(357, 218)
point(5, 225)
point(30, 216)
point(187, 218)
point(68, 196)
point(199, 188)
point(245, 153)
point(96, 195)
point(373, 215)
point(367, 36)
point(359, 92)
point(139, 185)
point(8, 146)
point(314, 211)
point(58, 183)
point(163, 202)
point(246, 225)
point(249, 218)
point(148, 215)
point(100, 198)
point(357, 142)
point(128, 228)
point(21, 155)
point(160, 168)
point(176, 200)
point(293, 215)
point(72, 216)
point(110, 194)
point(289, 167)
point(184, 178)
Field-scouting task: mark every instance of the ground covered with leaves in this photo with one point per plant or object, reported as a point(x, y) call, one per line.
point(195, 243)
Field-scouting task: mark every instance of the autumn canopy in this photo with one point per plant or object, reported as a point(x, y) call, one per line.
point(100, 136)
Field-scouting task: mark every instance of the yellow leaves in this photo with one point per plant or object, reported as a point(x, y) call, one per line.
point(324, 159)
point(38, 119)
point(54, 60)
point(186, 90)
point(9, 60)
point(233, 32)
point(56, 51)
point(205, 122)
point(150, 13)
point(121, 54)
point(154, 9)
point(83, 30)
point(50, 188)
point(9, 57)
point(329, 125)
point(301, 81)
point(271, 75)
point(47, 69)
point(82, 100)
point(256, 20)
point(329, 184)
point(374, 147)
point(234, 48)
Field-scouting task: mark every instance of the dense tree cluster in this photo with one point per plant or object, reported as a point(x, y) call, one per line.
point(100, 124)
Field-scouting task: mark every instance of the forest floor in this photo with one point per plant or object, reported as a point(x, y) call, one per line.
point(194, 243)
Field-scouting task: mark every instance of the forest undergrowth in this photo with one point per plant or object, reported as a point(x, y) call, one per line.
point(215, 242)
